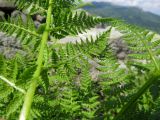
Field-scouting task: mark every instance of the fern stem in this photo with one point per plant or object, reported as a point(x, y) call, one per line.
point(30, 93)
point(12, 85)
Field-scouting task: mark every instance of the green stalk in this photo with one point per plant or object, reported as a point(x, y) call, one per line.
point(140, 92)
point(152, 78)
point(30, 93)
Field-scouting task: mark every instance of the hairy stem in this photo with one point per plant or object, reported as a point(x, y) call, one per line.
point(30, 93)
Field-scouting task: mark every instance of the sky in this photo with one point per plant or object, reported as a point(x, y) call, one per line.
point(147, 5)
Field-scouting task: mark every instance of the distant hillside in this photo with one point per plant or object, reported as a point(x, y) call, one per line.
point(131, 15)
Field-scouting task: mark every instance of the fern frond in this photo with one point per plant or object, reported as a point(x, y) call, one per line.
point(34, 6)
point(14, 105)
point(3, 65)
point(141, 51)
point(74, 23)
point(82, 80)
point(24, 31)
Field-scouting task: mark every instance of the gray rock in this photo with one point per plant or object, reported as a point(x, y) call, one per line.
point(6, 3)
point(2, 18)
point(9, 46)
point(120, 48)
point(122, 55)
point(16, 14)
point(37, 24)
point(39, 18)
point(101, 26)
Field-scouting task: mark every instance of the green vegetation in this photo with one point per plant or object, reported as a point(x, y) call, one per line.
point(54, 81)
point(132, 15)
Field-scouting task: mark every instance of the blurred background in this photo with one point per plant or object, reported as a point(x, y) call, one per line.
point(144, 13)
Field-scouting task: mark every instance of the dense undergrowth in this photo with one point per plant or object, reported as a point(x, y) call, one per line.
point(53, 81)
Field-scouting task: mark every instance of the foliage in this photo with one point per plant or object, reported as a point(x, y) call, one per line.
point(55, 81)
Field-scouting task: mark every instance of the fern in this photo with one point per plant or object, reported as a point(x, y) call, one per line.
point(81, 80)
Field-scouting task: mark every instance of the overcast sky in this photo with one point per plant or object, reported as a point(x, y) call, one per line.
point(147, 5)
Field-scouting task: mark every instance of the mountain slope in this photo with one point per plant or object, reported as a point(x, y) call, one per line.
point(132, 15)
